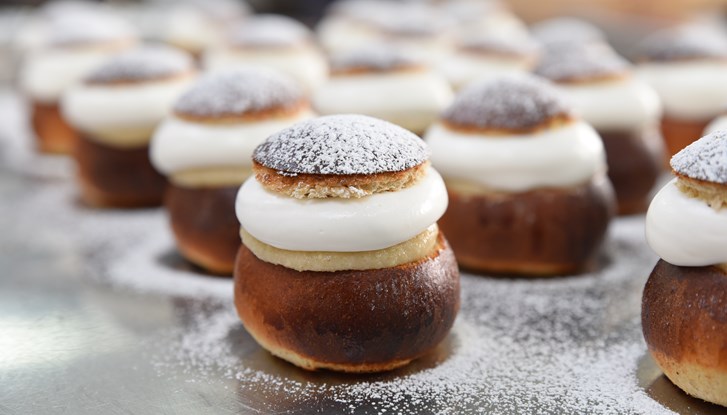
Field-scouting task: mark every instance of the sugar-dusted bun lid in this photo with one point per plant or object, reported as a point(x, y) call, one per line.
point(146, 63)
point(342, 145)
point(269, 31)
point(575, 63)
point(238, 93)
point(684, 43)
point(511, 103)
point(377, 57)
point(87, 28)
point(498, 45)
point(567, 30)
point(705, 159)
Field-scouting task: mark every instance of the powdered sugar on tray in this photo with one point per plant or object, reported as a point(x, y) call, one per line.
point(705, 159)
point(510, 102)
point(238, 92)
point(342, 144)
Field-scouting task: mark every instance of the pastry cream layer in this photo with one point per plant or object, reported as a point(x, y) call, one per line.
point(557, 157)
point(685, 231)
point(370, 223)
point(122, 115)
point(411, 250)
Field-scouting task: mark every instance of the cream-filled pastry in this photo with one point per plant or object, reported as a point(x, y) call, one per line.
point(73, 45)
point(204, 148)
point(196, 25)
point(385, 83)
point(475, 18)
point(624, 110)
point(115, 111)
point(684, 313)
point(272, 41)
point(687, 67)
point(339, 231)
point(526, 179)
point(483, 57)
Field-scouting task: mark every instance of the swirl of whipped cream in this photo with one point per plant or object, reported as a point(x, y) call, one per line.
point(108, 111)
point(692, 90)
point(685, 231)
point(623, 103)
point(412, 100)
point(49, 73)
point(180, 145)
point(558, 157)
point(370, 223)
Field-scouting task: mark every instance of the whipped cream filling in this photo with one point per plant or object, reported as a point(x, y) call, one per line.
point(625, 103)
point(48, 73)
point(111, 113)
point(180, 145)
point(412, 100)
point(717, 124)
point(685, 231)
point(369, 223)
point(556, 157)
point(461, 68)
point(302, 63)
point(691, 90)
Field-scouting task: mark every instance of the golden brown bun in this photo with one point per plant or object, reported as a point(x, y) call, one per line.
point(684, 318)
point(538, 233)
point(635, 161)
point(53, 133)
point(251, 117)
point(679, 133)
point(205, 225)
point(350, 321)
point(114, 177)
point(715, 194)
point(311, 186)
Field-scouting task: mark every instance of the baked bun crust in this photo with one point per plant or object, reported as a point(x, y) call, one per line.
point(205, 226)
point(541, 232)
point(684, 319)
point(344, 320)
point(115, 177)
point(635, 161)
point(53, 133)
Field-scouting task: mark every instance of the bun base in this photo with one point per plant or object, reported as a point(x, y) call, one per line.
point(205, 226)
point(115, 177)
point(679, 133)
point(635, 161)
point(537, 233)
point(349, 321)
point(53, 134)
point(684, 319)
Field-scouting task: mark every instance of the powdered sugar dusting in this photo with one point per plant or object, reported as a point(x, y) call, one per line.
point(269, 30)
point(682, 43)
point(342, 144)
point(567, 30)
point(511, 103)
point(704, 159)
point(376, 57)
point(142, 64)
point(239, 91)
point(500, 45)
point(580, 63)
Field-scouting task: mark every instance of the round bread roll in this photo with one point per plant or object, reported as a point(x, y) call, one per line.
point(204, 148)
point(329, 276)
point(526, 180)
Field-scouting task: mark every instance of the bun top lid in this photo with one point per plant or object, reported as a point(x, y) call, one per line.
point(146, 63)
point(374, 58)
point(704, 159)
point(684, 43)
point(269, 31)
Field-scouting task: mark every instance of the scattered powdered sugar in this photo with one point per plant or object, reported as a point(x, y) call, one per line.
point(141, 64)
point(682, 43)
point(500, 45)
point(374, 57)
point(509, 102)
point(269, 30)
point(87, 28)
point(237, 92)
point(342, 144)
point(704, 159)
point(567, 30)
point(568, 63)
